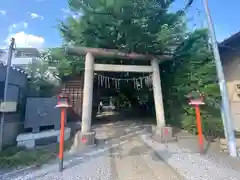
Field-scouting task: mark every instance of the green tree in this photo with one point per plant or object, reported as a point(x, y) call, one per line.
point(143, 26)
point(43, 76)
point(130, 26)
point(65, 65)
point(193, 69)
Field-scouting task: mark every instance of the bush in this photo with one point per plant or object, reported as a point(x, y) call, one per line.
point(211, 126)
point(14, 157)
point(18, 157)
point(192, 70)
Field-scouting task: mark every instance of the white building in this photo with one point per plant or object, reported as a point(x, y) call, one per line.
point(22, 57)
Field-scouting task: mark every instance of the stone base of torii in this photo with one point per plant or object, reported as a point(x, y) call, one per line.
point(87, 137)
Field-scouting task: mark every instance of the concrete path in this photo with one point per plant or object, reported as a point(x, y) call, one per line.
point(134, 160)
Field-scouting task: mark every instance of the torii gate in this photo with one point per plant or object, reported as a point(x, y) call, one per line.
point(90, 67)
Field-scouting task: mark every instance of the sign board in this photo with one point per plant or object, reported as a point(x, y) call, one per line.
point(8, 106)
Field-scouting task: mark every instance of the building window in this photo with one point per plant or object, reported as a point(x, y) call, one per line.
point(18, 54)
point(24, 54)
point(28, 55)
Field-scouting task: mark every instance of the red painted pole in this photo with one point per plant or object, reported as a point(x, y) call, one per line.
point(199, 128)
point(61, 142)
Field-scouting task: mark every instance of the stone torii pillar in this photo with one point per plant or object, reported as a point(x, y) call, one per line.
point(86, 135)
point(157, 94)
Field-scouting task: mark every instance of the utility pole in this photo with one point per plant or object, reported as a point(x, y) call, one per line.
point(227, 120)
point(9, 60)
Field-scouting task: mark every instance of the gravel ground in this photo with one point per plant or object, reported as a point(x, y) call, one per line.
point(212, 150)
point(125, 152)
point(95, 167)
point(192, 166)
point(122, 156)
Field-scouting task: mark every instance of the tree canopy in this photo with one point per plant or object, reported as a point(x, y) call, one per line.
point(143, 26)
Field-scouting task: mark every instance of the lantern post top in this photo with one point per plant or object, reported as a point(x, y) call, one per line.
point(195, 98)
point(63, 102)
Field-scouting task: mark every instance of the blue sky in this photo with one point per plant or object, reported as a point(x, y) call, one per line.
point(33, 22)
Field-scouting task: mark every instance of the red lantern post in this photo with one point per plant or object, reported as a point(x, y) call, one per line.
point(196, 101)
point(63, 105)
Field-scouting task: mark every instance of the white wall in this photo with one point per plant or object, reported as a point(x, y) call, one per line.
point(232, 76)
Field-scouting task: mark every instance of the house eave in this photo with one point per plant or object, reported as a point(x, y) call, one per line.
point(231, 40)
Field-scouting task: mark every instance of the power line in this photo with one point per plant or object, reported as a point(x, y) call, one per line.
point(189, 4)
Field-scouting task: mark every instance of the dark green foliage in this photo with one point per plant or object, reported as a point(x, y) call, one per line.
point(138, 26)
point(193, 69)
